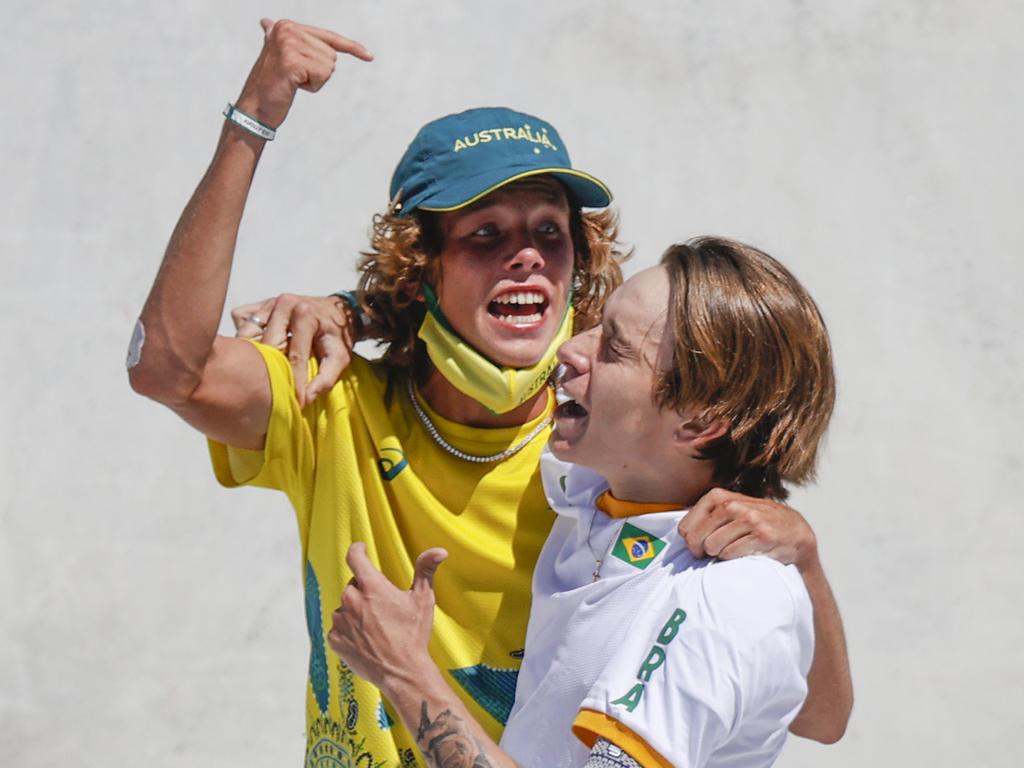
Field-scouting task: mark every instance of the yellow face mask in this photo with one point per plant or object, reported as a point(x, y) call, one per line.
point(498, 388)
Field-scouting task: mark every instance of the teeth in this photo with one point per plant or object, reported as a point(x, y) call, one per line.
point(561, 397)
point(522, 319)
point(521, 297)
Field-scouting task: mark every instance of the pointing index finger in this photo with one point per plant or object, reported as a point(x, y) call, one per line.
point(341, 44)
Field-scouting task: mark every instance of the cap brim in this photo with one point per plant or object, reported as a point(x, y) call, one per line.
point(587, 191)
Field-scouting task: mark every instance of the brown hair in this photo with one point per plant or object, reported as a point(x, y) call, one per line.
point(404, 252)
point(750, 347)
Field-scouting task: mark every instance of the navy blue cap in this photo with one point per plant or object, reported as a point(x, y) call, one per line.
point(457, 159)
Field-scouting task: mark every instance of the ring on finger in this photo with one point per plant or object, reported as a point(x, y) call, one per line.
point(255, 320)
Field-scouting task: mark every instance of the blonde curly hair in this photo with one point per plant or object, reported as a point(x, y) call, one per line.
point(404, 253)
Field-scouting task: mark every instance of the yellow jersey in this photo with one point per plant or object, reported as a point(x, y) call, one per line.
point(358, 465)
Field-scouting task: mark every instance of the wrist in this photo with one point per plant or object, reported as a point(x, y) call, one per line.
point(358, 318)
point(248, 123)
point(417, 675)
point(269, 114)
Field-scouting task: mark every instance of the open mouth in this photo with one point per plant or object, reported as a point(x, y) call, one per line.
point(568, 408)
point(519, 307)
point(571, 418)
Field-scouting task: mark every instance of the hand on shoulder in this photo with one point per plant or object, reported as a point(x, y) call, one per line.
point(323, 327)
point(728, 525)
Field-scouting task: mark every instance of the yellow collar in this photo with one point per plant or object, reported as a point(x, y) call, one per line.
point(618, 508)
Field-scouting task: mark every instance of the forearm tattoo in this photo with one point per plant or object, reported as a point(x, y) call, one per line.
point(607, 755)
point(447, 742)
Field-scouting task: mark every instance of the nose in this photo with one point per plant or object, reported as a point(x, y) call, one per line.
point(575, 354)
point(527, 258)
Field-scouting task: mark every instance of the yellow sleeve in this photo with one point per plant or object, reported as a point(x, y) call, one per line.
point(288, 458)
point(589, 726)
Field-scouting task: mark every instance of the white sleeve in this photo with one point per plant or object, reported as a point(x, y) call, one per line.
point(713, 671)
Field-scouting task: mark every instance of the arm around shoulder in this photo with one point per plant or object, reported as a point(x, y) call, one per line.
point(826, 710)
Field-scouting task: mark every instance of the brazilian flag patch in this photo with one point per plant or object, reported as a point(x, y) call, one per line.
point(637, 547)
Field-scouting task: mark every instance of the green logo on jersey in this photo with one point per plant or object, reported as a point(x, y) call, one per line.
point(492, 688)
point(637, 547)
point(655, 658)
point(390, 466)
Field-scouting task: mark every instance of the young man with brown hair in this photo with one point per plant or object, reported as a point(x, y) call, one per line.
point(711, 370)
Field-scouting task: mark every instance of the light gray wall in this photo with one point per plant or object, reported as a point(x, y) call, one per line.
point(149, 617)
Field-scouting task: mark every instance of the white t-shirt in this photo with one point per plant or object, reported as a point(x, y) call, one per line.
point(679, 661)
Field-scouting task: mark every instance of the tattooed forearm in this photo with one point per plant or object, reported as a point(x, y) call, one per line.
point(447, 742)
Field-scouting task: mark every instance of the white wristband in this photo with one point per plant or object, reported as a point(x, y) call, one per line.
point(251, 124)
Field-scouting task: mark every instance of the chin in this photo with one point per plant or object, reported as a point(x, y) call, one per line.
point(575, 454)
point(518, 353)
point(560, 448)
point(564, 448)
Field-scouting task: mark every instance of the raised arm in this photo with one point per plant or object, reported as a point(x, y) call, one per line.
point(217, 384)
point(728, 525)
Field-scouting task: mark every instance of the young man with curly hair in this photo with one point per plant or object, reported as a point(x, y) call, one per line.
point(482, 265)
point(711, 370)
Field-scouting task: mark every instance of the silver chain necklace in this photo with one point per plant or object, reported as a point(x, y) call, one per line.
point(508, 452)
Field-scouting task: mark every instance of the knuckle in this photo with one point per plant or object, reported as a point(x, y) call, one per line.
point(284, 27)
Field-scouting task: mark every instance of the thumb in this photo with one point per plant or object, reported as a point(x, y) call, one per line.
point(267, 24)
point(426, 566)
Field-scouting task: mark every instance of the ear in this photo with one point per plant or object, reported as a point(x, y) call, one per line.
point(697, 432)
